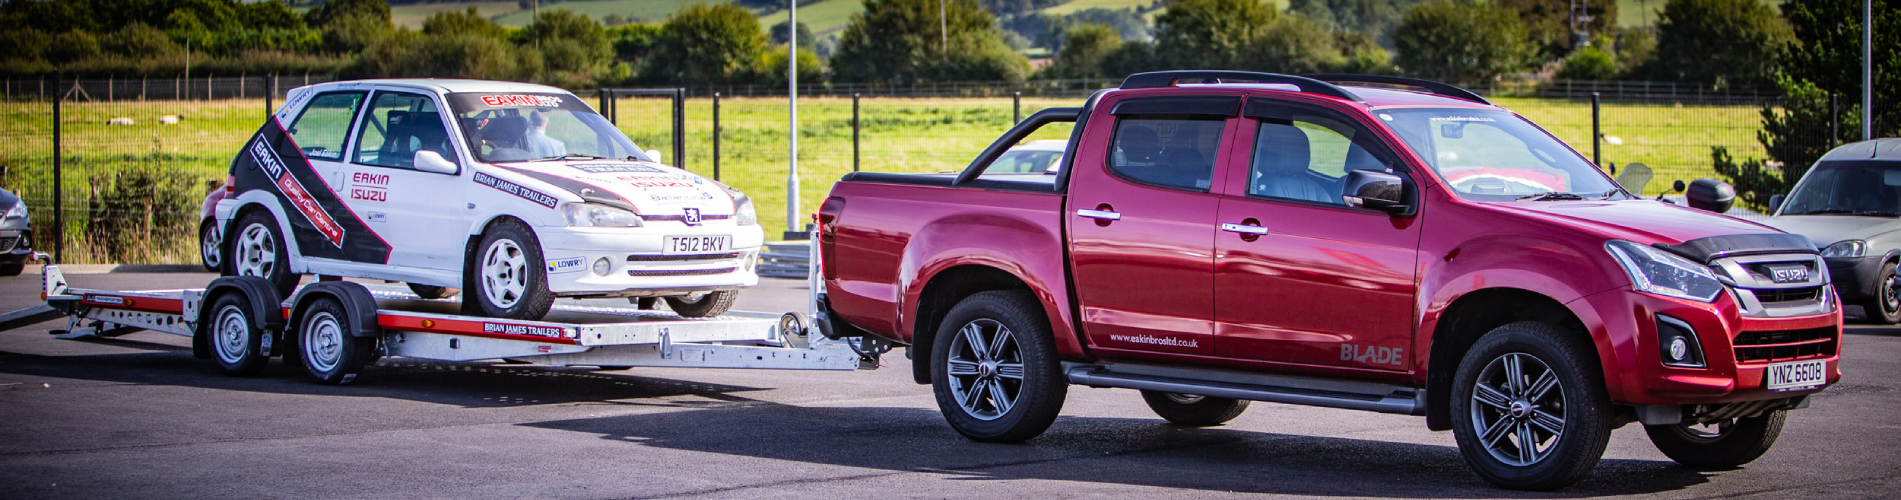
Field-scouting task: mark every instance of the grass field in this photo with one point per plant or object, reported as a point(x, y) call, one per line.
point(899, 135)
point(411, 15)
point(823, 18)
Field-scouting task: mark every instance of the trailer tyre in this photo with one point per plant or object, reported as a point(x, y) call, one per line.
point(239, 346)
point(1192, 410)
point(994, 368)
point(331, 354)
point(705, 305)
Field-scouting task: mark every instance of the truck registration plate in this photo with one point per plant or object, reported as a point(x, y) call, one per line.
point(686, 245)
point(1795, 375)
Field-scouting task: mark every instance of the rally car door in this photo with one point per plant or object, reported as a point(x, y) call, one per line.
point(404, 180)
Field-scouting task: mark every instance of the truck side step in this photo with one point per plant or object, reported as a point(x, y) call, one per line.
point(1365, 396)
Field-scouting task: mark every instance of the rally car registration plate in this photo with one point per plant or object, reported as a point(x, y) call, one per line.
point(687, 245)
point(1796, 375)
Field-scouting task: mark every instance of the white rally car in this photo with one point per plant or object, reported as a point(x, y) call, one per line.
point(514, 193)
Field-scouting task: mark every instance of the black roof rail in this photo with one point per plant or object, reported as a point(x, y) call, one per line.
point(1431, 86)
point(1158, 79)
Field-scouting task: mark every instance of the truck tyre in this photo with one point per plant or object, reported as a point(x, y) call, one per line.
point(506, 276)
point(1529, 408)
point(994, 368)
point(1885, 307)
point(706, 305)
point(432, 292)
point(1720, 445)
point(210, 246)
point(239, 346)
point(1192, 410)
point(257, 249)
point(330, 352)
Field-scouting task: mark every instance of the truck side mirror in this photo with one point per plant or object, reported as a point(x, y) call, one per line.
point(1375, 190)
point(1710, 194)
point(431, 161)
point(1775, 203)
point(655, 155)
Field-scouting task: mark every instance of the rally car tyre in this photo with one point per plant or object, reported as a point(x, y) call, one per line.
point(706, 305)
point(994, 368)
point(1719, 445)
point(1529, 408)
point(237, 344)
point(330, 354)
point(432, 292)
point(209, 245)
point(506, 278)
point(1885, 307)
point(1193, 410)
point(257, 249)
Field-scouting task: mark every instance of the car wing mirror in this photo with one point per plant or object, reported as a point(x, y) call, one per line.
point(1775, 203)
point(431, 161)
point(654, 154)
point(1375, 190)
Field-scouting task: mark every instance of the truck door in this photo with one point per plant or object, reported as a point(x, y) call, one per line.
point(1300, 276)
point(419, 213)
point(1142, 214)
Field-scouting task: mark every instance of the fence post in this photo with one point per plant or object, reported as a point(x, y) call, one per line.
point(603, 110)
point(268, 87)
point(59, 212)
point(716, 136)
point(1016, 108)
point(679, 128)
point(1834, 121)
point(854, 131)
point(1597, 134)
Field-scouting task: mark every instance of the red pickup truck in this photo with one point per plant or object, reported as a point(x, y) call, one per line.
point(1398, 246)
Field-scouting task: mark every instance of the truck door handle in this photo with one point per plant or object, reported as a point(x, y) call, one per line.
point(1099, 214)
point(1237, 228)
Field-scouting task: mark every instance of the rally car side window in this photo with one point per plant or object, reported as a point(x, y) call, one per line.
point(322, 126)
point(399, 125)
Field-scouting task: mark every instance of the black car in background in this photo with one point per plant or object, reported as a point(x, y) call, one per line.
point(16, 235)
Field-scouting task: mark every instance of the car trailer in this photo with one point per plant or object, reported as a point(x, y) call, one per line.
point(335, 328)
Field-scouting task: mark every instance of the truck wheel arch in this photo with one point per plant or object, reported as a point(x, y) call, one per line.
point(941, 292)
point(1471, 316)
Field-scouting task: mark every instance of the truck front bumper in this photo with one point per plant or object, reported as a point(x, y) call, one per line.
point(1736, 351)
point(636, 265)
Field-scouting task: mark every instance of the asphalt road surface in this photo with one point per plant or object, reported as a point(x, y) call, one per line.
point(138, 417)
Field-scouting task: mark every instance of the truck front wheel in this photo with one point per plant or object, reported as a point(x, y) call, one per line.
point(994, 368)
point(1192, 410)
point(1529, 408)
point(1719, 445)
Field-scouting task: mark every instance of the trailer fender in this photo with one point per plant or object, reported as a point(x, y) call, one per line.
point(265, 305)
point(355, 298)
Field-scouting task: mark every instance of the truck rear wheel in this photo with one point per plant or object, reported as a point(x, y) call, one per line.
point(1529, 408)
point(239, 346)
point(507, 278)
point(706, 305)
point(994, 368)
point(330, 352)
point(1189, 409)
point(1719, 445)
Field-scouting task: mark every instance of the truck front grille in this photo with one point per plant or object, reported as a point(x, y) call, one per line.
point(1771, 297)
point(681, 258)
point(1754, 279)
point(1785, 345)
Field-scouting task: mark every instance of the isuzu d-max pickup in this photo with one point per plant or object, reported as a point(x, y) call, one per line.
point(1402, 246)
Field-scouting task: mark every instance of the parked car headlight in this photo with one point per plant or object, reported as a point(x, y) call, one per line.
point(598, 215)
point(18, 211)
point(1848, 249)
point(743, 212)
point(1662, 273)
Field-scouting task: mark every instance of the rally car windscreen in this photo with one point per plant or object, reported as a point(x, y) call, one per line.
point(1493, 155)
point(511, 127)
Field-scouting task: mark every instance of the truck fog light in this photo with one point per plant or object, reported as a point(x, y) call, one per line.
point(602, 267)
point(1677, 341)
point(1678, 349)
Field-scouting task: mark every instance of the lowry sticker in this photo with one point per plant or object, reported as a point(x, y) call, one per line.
point(522, 100)
point(564, 266)
point(516, 189)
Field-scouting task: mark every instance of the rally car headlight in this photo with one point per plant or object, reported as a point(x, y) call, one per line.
point(598, 215)
point(743, 212)
point(1662, 273)
point(18, 211)
point(1846, 249)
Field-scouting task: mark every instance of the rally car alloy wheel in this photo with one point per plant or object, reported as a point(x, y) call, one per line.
point(258, 250)
point(239, 346)
point(208, 245)
point(507, 275)
point(1721, 444)
point(1529, 408)
point(994, 369)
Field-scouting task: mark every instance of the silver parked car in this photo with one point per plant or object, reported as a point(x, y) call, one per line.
point(1849, 204)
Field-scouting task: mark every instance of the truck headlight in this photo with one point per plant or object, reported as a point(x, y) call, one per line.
point(1662, 273)
point(598, 215)
point(18, 211)
point(743, 212)
point(1846, 249)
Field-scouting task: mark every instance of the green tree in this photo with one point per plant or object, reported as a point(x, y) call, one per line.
point(1727, 43)
point(1210, 34)
point(1826, 52)
point(1459, 42)
point(1549, 21)
point(1292, 44)
point(336, 10)
point(771, 67)
point(1084, 47)
point(706, 44)
point(570, 42)
point(73, 46)
point(1377, 17)
point(1131, 58)
point(902, 41)
point(778, 35)
point(633, 41)
point(461, 22)
point(1588, 63)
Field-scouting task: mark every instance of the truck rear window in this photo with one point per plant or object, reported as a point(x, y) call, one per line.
point(1167, 150)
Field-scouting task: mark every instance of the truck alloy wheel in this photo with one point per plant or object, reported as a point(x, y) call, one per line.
point(1529, 408)
point(506, 277)
point(331, 354)
point(1722, 444)
point(994, 370)
point(239, 346)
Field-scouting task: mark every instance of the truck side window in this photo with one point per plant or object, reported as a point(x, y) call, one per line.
point(1167, 150)
point(398, 125)
point(321, 127)
point(1306, 157)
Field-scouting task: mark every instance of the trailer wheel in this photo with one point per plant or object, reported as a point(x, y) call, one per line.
point(705, 305)
point(994, 369)
point(239, 346)
point(330, 352)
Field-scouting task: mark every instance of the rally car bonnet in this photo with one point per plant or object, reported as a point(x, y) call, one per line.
point(655, 191)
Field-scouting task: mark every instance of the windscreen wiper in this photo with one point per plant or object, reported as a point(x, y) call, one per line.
point(573, 157)
point(1550, 196)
